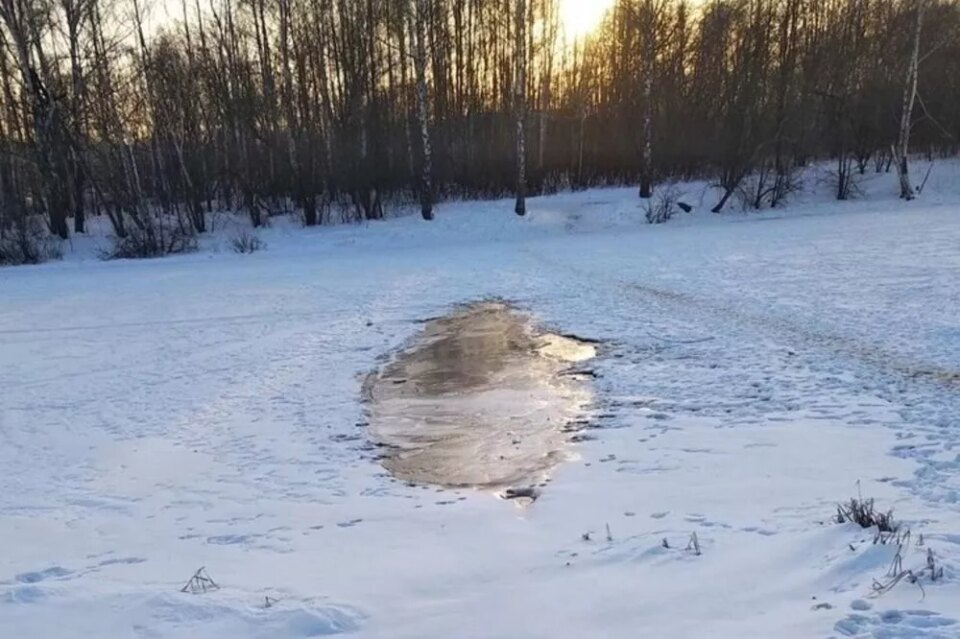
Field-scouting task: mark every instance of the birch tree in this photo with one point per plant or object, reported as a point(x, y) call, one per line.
point(420, 17)
point(902, 149)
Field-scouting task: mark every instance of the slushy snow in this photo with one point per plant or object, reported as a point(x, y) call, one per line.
point(755, 369)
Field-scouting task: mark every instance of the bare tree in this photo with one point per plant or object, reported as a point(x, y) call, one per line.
point(333, 109)
point(902, 148)
point(25, 25)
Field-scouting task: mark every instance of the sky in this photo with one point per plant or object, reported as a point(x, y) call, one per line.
point(580, 17)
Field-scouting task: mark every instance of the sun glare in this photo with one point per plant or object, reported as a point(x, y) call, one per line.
point(582, 17)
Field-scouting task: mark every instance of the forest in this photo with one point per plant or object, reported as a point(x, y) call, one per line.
point(333, 110)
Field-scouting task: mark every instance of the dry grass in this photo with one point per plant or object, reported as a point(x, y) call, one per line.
point(864, 513)
point(246, 243)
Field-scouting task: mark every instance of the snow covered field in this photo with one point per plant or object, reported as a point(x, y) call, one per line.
point(205, 410)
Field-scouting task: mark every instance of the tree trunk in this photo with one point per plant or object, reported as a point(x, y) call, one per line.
point(649, 69)
point(646, 171)
point(521, 106)
point(582, 122)
point(906, 114)
point(79, 219)
point(423, 115)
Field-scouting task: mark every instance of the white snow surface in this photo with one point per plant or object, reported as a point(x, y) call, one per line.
point(205, 410)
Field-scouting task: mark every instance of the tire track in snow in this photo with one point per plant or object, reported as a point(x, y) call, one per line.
point(786, 330)
point(933, 392)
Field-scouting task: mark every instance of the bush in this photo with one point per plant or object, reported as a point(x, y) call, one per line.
point(246, 242)
point(844, 180)
point(152, 240)
point(768, 188)
point(663, 205)
point(28, 243)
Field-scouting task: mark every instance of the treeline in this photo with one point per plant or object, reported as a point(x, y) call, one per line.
point(327, 108)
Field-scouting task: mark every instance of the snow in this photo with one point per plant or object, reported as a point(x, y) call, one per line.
point(205, 410)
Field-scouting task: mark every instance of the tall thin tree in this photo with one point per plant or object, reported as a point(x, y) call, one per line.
point(420, 16)
point(520, 106)
point(902, 149)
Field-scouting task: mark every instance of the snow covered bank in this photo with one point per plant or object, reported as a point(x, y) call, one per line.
point(206, 410)
point(592, 211)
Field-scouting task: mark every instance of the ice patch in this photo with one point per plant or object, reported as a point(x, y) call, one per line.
point(479, 400)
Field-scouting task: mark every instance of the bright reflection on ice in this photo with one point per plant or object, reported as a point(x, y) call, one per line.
point(480, 399)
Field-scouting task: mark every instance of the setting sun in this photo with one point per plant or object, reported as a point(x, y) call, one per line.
point(581, 17)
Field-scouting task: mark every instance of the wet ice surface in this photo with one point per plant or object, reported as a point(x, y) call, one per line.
point(482, 398)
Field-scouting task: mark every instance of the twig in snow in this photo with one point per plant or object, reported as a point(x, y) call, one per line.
point(896, 574)
point(680, 341)
point(896, 567)
point(200, 583)
point(694, 544)
point(880, 588)
point(609, 534)
point(936, 572)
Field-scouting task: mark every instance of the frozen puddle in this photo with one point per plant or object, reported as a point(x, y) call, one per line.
point(482, 398)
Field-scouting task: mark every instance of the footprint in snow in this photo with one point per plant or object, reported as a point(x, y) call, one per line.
point(42, 575)
point(122, 560)
point(916, 624)
point(28, 590)
point(229, 540)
